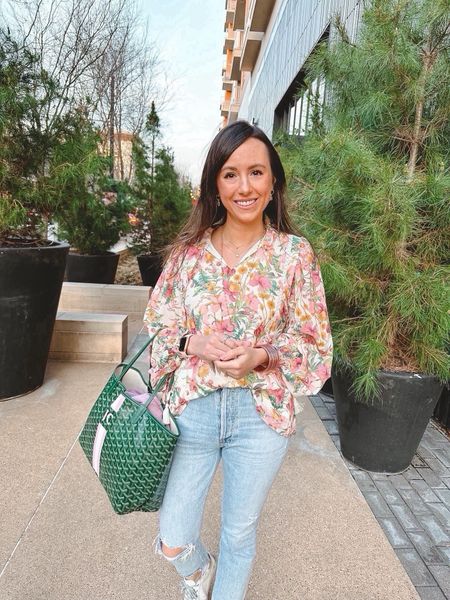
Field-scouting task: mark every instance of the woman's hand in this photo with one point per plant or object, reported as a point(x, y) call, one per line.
point(211, 347)
point(238, 362)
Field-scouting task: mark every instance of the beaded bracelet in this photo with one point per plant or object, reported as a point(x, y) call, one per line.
point(274, 358)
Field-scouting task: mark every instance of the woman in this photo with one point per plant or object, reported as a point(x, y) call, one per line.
point(243, 326)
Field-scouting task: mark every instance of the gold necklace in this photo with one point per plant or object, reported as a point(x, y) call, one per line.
point(235, 249)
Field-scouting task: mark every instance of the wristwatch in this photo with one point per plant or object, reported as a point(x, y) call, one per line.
point(183, 342)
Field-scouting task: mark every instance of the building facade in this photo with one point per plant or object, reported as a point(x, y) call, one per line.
point(123, 150)
point(267, 43)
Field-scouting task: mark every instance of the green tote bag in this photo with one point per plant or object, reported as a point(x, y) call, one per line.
point(129, 442)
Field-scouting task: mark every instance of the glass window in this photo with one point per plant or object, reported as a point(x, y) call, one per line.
point(291, 119)
point(298, 113)
point(295, 111)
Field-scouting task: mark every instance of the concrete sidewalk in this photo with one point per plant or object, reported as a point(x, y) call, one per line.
point(60, 540)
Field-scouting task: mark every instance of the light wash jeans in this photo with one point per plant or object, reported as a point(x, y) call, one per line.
point(224, 424)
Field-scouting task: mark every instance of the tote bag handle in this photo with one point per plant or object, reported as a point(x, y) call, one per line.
point(127, 366)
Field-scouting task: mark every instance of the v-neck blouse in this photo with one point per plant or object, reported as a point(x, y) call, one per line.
point(213, 250)
point(273, 295)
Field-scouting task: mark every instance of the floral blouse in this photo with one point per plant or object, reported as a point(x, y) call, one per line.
point(273, 295)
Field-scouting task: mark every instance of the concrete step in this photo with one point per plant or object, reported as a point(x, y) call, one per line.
point(130, 300)
point(103, 298)
point(89, 337)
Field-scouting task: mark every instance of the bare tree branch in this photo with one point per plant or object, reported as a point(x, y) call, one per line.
point(80, 44)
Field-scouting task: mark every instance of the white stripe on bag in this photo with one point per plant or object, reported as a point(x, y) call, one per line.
point(100, 435)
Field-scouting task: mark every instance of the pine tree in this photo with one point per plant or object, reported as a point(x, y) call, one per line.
point(162, 202)
point(171, 201)
point(141, 187)
point(372, 190)
point(153, 129)
point(142, 184)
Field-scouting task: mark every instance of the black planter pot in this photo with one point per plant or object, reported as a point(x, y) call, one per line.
point(442, 410)
point(150, 267)
point(30, 286)
point(383, 436)
point(92, 268)
point(327, 388)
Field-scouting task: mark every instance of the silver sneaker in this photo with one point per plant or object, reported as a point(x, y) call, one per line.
point(200, 589)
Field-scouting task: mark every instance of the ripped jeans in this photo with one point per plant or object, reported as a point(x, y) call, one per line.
point(222, 425)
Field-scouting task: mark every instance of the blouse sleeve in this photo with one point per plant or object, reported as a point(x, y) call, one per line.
point(305, 345)
point(165, 316)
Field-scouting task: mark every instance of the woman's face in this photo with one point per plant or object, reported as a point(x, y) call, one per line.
point(245, 181)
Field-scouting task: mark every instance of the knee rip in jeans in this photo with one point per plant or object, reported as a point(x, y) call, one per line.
point(252, 519)
point(183, 554)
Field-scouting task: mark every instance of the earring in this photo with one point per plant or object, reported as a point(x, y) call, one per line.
point(218, 200)
point(271, 195)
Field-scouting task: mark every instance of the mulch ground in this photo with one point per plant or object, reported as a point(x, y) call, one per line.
point(128, 270)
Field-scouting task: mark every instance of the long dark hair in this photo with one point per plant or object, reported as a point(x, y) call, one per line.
point(206, 213)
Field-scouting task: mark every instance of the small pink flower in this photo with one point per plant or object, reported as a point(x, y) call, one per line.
point(226, 286)
point(315, 277)
point(213, 309)
point(168, 290)
point(192, 252)
point(259, 330)
point(323, 372)
point(307, 380)
point(296, 364)
point(260, 280)
point(253, 302)
point(278, 393)
point(225, 326)
point(309, 330)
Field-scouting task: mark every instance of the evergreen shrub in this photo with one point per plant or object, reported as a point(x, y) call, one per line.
point(371, 185)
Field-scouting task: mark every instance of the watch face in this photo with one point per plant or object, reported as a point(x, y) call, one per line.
point(182, 344)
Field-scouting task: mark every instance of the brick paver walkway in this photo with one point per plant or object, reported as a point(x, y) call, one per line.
point(413, 508)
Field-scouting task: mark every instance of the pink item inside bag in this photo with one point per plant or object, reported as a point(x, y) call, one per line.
point(154, 407)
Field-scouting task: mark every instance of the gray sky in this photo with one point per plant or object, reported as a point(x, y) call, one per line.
point(190, 39)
